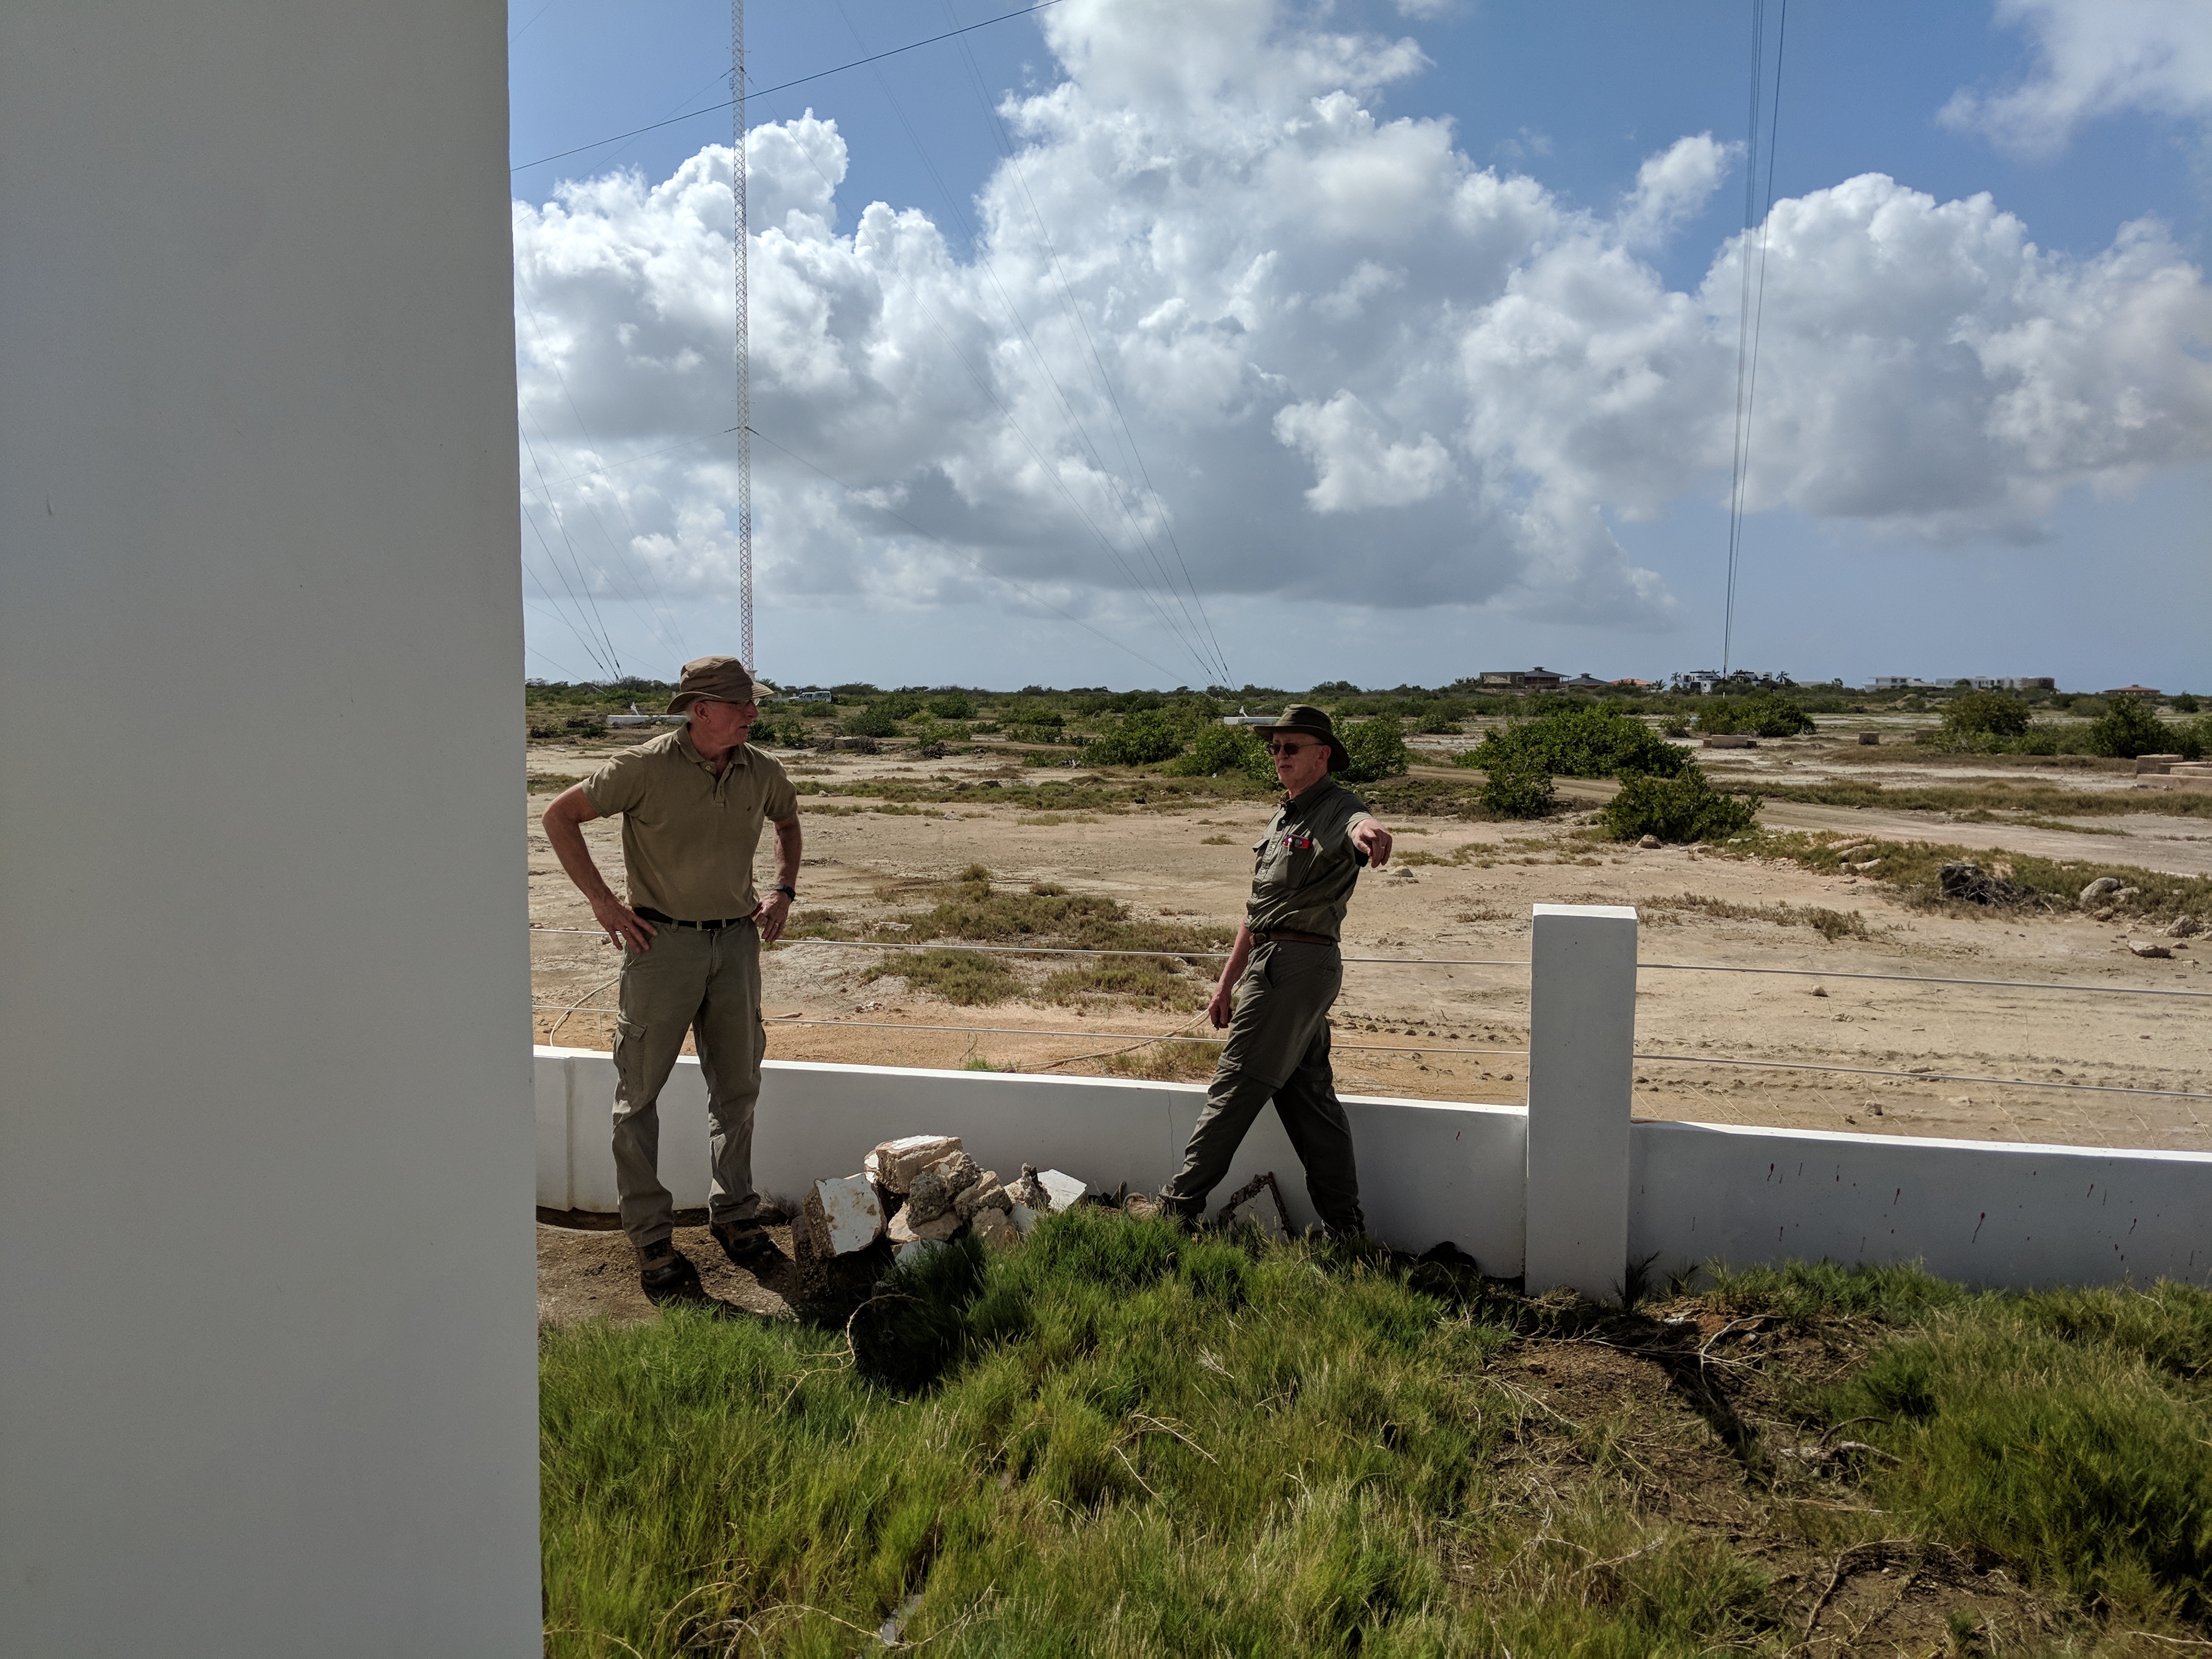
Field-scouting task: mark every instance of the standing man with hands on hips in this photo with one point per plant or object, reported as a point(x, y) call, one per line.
point(1282, 977)
point(692, 802)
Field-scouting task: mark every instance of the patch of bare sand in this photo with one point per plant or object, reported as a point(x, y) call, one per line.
point(1395, 1019)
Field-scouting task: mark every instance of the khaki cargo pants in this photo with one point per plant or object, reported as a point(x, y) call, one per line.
point(1278, 1050)
point(707, 983)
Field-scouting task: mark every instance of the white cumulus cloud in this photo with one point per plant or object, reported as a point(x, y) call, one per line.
point(1231, 325)
point(2094, 57)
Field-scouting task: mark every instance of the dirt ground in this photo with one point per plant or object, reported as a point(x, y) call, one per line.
point(1455, 1028)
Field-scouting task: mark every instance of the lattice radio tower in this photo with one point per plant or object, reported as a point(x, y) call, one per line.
point(745, 362)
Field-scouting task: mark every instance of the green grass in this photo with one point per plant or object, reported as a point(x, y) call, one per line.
point(1912, 869)
point(1116, 1440)
point(968, 978)
point(2043, 800)
point(1158, 980)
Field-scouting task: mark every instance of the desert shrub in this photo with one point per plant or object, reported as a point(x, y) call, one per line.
point(2186, 703)
point(1763, 715)
point(1992, 714)
point(1222, 748)
point(2127, 729)
point(965, 977)
point(1377, 748)
point(1518, 787)
point(1587, 741)
point(952, 705)
point(1680, 809)
point(1144, 738)
point(873, 721)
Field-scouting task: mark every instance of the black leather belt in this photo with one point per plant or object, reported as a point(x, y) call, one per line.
point(655, 917)
point(1284, 936)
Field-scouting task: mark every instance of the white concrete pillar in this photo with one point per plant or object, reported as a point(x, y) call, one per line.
point(267, 1327)
point(1581, 1038)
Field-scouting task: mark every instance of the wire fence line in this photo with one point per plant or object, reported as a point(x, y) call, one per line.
point(1472, 962)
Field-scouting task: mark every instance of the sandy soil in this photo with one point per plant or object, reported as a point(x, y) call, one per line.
point(1455, 1031)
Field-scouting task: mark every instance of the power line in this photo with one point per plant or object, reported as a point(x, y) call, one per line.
point(1749, 313)
point(740, 170)
point(783, 86)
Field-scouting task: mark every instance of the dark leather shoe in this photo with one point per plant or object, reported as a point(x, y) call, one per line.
point(746, 1243)
point(666, 1274)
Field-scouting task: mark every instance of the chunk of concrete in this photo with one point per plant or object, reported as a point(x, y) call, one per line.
point(929, 1197)
point(894, 1163)
point(2144, 947)
point(1062, 1189)
point(993, 1227)
point(1258, 1202)
point(957, 1170)
point(904, 1230)
point(915, 1249)
point(1023, 1217)
point(986, 1195)
point(852, 1216)
point(1029, 1190)
point(2146, 764)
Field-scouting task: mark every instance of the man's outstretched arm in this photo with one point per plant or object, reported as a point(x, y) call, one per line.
point(564, 821)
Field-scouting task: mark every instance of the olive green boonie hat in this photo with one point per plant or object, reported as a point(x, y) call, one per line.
point(1306, 720)
point(722, 679)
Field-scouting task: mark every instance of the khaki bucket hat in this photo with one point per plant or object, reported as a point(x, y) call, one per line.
point(722, 679)
point(1306, 720)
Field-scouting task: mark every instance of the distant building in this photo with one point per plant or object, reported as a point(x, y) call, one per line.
point(1641, 685)
point(1705, 682)
point(2134, 692)
point(1979, 681)
point(1583, 682)
point(1522, 679)
point(2030, 683)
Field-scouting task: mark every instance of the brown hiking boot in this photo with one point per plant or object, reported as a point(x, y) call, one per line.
point(746, 1243)
point(666, 1274)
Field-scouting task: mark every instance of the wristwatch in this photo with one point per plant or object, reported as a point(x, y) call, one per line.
point(786, 888)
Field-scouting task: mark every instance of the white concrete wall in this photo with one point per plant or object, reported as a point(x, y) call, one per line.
point(1582, 1034)
point(266, 1344)
point(1428, 1172)
point(1983, 1213)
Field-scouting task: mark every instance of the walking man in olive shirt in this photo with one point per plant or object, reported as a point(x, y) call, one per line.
point(692, 802)
point(1282, 977)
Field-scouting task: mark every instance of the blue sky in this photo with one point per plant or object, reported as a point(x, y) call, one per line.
point(1418, 527)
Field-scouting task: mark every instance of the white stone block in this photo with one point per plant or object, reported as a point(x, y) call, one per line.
point(1581, 1037)
point(894, 1163)
point(852, 1218)
point(1061, 1188)
point(1024, 1218)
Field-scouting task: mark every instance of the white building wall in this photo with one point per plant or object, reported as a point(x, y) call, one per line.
point(266, 1337)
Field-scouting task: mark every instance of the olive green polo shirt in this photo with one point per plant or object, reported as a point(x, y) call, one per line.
point(689, 837)
point(1304, 867)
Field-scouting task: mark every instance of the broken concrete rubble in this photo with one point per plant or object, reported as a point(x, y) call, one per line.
point(956, 1170)
point(993, 1227)
point(894, 1163)
point(929, 1198)
point(985, 1194)
point(1061, 1190)
point(904, 1230)
point(844, 1215)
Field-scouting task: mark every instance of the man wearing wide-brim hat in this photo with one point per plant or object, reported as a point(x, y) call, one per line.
point(692, 802)
point(1282, 977)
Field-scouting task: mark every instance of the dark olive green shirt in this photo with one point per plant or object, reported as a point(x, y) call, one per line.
point(689, 837)
point(1304, 867)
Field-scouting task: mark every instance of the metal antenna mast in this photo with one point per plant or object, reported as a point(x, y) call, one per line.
point(744, 336)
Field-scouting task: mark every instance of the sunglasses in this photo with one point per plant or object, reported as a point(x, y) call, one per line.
point(1288, 748)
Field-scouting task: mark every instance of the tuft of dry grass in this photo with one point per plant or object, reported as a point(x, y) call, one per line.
point(966, 977)
point(1831, 925)
point(1158, 980)
point(1165, 1062)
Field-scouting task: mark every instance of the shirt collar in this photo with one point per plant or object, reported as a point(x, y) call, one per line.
point(1313, 792)
point(689, 751)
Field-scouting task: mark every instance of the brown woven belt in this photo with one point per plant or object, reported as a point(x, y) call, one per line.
point(1287, 936)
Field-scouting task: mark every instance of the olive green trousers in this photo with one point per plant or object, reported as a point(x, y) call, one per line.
point(1277, 1050)
point(709, 984)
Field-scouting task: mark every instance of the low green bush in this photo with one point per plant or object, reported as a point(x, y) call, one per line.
point(1587, 741)
point(1222, 750)
point(952, 705)
point(1377, 748)
point(1989, 714)
point(2126, 729)
point(1518, 787)
point(1144, 738)
point(873, 721)
point(1681, 809)
point(1763, 715)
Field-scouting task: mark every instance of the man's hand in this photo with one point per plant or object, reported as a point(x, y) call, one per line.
point(771, 914)
point(625, 927)
point(1222, 1005)
point(1372, 839)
